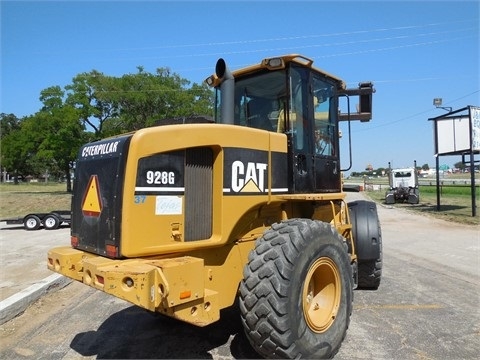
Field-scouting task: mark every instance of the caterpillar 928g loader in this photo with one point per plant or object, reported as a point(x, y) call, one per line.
point(186, 217)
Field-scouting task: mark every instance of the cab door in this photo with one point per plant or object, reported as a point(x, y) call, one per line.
point(299, 130)
point(325, 136)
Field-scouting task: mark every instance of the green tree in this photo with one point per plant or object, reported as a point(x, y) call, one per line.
point(89, 94)
point(143, 99)
point(460, 165)
point(381, 171)
point(92, 107)
point(18, 150)
point(113, 105)
point(60, 133)
point(8, 123)
point(46, 142)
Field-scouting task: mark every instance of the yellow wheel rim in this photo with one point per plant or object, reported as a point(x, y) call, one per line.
point(321, 294)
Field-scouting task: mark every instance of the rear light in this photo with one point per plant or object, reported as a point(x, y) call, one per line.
point(185, 294)
point(100, 280)
point(112, 251)
point(74, 241)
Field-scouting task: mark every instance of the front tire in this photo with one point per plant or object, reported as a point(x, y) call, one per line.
point(296, 296)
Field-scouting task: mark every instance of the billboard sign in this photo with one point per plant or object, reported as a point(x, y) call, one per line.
point(475, 118)
point(458, 134)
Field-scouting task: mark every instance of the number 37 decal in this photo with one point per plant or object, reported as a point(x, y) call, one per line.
point(139, 199)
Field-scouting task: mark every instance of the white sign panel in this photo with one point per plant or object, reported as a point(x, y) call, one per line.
point(453, 135)
point(168, 205)
point(475, 115)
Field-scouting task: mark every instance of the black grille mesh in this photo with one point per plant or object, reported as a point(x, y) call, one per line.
point(198, 193)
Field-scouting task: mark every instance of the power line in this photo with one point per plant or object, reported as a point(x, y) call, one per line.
point(287, 38)
point(237, 66)
point(416, 114)
point(291, 38)
point(311, 46)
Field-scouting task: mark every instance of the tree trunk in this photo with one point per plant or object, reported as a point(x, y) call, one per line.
point(67, 175)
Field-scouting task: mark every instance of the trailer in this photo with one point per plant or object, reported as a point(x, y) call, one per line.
point(34, 221)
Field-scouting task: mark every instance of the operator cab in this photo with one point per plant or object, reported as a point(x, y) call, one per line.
point(287, 95)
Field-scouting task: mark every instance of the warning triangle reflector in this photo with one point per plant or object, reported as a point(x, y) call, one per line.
point(92, 202)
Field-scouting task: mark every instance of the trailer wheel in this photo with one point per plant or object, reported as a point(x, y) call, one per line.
point(51, 222)
point(31, 222)
point(296, 296)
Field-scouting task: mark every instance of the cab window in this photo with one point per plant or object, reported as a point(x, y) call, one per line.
point(260, 99)
point(324, 117)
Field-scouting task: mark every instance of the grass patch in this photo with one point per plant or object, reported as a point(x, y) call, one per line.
point(449, 190)
point(19, 200)
point(455, 203)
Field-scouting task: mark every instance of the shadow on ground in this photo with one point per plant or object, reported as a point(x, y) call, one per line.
point(135, 333)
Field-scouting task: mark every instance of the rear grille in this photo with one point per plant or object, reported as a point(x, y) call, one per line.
point(198, 193)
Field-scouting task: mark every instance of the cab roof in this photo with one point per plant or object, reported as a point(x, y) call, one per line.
point(280, 62)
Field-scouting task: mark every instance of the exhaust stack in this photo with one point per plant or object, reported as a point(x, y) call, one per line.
point(227, 88)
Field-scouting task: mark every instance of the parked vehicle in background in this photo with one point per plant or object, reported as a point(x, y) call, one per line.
point(403, 185)
point(34, 221)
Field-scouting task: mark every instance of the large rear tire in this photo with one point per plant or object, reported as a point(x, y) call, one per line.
point(296, 296)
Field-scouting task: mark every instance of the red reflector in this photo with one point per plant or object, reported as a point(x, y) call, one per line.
point(185, 294)
point(100, 280)
point(74, 241)
point(111, 251)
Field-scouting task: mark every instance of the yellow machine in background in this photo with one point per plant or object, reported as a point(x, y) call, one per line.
point(186, 217)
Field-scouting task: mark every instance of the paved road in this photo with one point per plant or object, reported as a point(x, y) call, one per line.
point(427, 307)
point(23, 256)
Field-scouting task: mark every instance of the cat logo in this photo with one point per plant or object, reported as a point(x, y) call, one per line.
point(92, 202)
point(248, 178)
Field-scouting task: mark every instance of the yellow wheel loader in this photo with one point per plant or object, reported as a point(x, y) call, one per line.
point(186, 217)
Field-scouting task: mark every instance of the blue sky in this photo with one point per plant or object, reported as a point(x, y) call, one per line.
point(412, 51)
